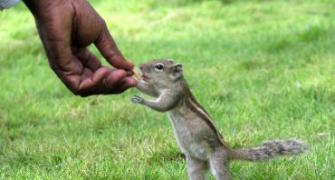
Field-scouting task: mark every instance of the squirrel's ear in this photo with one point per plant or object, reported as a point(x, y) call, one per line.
point(177, 71)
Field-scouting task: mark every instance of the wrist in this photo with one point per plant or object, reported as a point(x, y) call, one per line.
point(37, 7)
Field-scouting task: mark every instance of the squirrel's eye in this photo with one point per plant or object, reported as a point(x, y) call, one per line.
point(159, 66)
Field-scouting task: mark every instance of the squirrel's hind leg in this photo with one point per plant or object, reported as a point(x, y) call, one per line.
point(219, 165)
point(196, 168)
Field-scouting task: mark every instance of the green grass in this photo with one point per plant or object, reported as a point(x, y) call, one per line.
point(263, 69)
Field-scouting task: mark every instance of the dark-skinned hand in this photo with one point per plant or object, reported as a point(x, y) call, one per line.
point(67, 28)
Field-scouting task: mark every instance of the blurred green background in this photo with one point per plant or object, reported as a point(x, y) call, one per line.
point(264, 69)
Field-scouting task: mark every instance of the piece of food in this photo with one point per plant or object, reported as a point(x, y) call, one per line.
point(137, 74)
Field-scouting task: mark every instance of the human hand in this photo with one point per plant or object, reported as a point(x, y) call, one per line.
point(67, 28)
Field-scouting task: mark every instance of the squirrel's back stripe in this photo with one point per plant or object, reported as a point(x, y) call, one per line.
point(201, 112)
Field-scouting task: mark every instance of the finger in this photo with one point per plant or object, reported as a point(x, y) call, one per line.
point(112, 80)
point(125, 84)
point(93, 81)
point(88, 59)
point(130, 73)
point(109, 50)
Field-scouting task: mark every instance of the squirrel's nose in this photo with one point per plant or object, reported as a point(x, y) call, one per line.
point(142, 67)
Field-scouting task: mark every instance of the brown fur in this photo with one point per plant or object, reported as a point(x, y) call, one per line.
point(195, 132)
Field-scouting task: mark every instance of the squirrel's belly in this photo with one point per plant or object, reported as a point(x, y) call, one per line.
point(189, 140)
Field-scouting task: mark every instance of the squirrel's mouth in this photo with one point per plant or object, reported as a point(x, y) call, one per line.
point(144, 77)
point(140, 75)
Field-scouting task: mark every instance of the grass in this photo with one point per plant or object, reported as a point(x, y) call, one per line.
point(263, 69)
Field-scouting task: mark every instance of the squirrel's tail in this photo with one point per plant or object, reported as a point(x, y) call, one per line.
point(269, 150)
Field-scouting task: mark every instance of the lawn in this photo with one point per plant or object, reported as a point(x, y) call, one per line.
point(263, 69)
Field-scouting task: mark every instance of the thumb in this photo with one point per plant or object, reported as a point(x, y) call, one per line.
point(109, 50)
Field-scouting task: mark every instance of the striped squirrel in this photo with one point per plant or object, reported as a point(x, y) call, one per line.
point(196, 135)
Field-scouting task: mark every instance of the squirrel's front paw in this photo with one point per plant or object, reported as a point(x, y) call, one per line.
point(137, 99)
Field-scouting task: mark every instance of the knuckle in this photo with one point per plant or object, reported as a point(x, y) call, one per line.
point(120, 72)
point(102, 22)
point(103, 71)
point(80, 93)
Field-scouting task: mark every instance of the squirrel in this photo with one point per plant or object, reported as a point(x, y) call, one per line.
point(199, 140)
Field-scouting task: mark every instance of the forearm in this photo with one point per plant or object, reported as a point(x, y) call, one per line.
point(4, 4)
point(146, 88)
point(155, 105)
point(163, 103)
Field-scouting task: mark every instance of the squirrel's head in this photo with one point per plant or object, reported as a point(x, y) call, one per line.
point(162, 73)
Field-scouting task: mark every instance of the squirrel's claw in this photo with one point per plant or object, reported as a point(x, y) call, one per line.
point(137, 99)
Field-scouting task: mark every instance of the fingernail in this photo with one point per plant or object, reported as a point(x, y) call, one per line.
point(130, 73)
point(132, 82)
